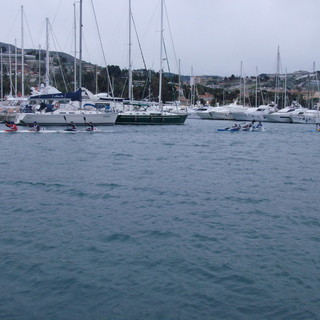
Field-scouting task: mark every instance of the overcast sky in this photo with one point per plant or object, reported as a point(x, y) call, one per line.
point(211, 37)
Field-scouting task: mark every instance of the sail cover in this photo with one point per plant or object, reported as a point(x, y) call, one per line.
point(73, 96)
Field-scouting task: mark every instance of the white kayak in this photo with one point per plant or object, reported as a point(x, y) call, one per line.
point(51, 131)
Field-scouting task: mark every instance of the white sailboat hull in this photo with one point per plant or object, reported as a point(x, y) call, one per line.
point(63, 117)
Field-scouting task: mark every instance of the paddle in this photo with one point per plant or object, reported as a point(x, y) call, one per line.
point(65, 119)
point(85, 123)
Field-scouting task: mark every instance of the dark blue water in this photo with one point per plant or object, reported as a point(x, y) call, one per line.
point(164, 222)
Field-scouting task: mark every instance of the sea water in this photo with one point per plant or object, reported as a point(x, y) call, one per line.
point(161, 222)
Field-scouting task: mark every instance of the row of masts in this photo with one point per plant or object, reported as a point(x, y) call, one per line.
point(130, 73)
point(47, 81)
point(130, 81)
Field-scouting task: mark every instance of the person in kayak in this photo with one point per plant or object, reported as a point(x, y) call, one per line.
point(236, 127)
point(259, 124)
point(91, 128)
point(36, 126)
point(71, 126)
point(12, 126)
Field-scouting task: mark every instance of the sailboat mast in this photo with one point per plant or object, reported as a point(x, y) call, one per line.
point(256, 93)
point(15, 68)
point(39, 66)
point(1, 81)
point(130, 63)
point(75, 48)
point(10, 71)
point(80, 55)
point(22, 54)
point(277, 84)
point(179, 87)
point(240, 83)
point(47, 53)
point(285, 89)
point(312, 92)
point(192, 88)
point(161, 44)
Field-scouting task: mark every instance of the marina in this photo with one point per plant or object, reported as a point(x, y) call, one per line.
point(159, 160)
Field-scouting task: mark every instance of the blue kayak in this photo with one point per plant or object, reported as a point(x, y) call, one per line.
point(229, 129)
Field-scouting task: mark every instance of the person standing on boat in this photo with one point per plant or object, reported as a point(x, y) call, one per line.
point(12, 126)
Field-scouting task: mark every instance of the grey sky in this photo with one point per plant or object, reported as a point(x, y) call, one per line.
point(212, 36)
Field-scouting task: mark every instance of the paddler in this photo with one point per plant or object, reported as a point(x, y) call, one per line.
point(72, 126)
point(36, 126)
point(12, 126)
point(91, 127)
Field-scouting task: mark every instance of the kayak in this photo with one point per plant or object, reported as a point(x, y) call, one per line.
point(251, 129)
point(51, 131)
point(229, 129)
point(80, 131)
point(18, 131)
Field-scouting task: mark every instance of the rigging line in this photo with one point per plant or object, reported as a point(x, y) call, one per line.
point(104, 57)
point(58, 57)
point(146, 85)
point(317, 81)
point(174, 50)
point(39, 35)
point(139, 43)
point(56, 13)
point(124, 86)
point(143, 59)
point(166, 54)
point(25, 18)
point(260, 88)
point(14, 24)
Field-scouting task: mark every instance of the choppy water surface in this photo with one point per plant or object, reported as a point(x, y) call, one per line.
point(164, 222)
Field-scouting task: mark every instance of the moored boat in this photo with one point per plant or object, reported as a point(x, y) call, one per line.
point(139, 113)
point(284, 115)
point(308, 116)
point(54, 113)
point(254, 113)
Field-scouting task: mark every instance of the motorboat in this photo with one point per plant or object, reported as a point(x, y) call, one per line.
point(254, 113)
point(221, 113)
point(308, 116)
point(284, 115)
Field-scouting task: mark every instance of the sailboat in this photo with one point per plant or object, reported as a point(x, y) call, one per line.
point(144, 112)
point(56, 111)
